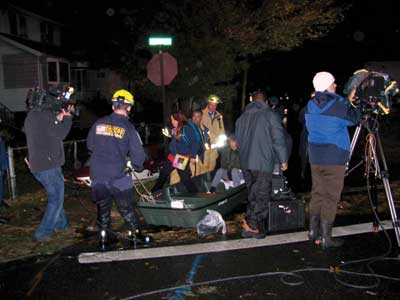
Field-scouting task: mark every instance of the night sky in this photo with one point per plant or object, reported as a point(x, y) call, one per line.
point(369, 32)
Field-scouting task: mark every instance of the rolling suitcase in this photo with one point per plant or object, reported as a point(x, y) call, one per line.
point(286, 212)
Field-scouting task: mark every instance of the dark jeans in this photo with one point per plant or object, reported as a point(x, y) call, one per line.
point(54, 217)
point(103, 194)
point(327, 186)
point(185, 176)
point(260, 188)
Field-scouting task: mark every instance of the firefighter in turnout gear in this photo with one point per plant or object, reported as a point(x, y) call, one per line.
point(111, 139)
point(212, 120)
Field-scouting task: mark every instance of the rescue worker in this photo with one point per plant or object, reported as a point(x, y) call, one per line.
point(327, 117)
point(110, 140)
point(213, 120)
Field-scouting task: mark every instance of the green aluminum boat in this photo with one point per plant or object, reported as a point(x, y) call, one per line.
point(175, 207)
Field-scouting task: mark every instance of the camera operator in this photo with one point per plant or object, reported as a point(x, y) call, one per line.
point(328, 116)
point(45, 132)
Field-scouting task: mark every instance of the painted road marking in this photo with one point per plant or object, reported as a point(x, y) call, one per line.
point(202, 248)
point(180, 294)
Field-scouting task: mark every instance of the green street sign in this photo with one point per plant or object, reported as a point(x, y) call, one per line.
point(160, 41)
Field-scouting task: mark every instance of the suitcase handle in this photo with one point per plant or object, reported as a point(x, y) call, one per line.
point(286, 209)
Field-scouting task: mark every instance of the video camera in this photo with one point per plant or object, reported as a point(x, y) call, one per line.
point(53, 99)
point(374, 91)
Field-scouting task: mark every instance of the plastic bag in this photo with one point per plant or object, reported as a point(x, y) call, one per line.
point(211, 223)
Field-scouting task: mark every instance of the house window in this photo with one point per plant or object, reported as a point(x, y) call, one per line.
point(17, 24)
point(57, 71)
point(46, 32)
point(52, 71)
point(50, 33)
point(22, 26)
point(64, 72)
point(79, 79)
point(12, 17)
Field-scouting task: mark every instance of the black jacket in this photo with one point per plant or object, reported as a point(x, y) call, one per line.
point(260, 137)
point(45, 135)
point(109, 141)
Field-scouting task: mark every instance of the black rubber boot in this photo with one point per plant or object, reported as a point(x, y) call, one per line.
point(314, 234)
point(327, 240)
point(106, 239)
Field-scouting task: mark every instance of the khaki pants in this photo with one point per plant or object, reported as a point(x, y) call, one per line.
point(327, 186)
point(195, 168)
point(210, 161)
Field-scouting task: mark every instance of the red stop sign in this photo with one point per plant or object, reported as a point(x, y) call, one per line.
point(169, 67)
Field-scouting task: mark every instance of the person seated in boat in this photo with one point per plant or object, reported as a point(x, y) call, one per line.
point(183, 148)
point(230, 172)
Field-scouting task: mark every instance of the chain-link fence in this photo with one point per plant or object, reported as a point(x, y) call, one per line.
point(20, 180)
point(150, 133)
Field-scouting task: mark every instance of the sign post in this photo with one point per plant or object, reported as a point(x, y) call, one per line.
point(163, 96)
point(162, 69)
point(160, 42)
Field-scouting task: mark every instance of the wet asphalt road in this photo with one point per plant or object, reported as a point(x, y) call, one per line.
point(65, 278)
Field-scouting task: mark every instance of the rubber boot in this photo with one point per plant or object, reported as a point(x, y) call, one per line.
point(327, 240)
point(106, 239)
point(314, 235)
point(103, 243)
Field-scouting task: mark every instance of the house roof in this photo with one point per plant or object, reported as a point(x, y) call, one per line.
point(36, 48)
point(33, 10)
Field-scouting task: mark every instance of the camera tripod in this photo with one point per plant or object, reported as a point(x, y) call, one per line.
point(375, 165)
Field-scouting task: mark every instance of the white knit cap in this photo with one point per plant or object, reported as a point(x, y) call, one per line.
point(322, 81)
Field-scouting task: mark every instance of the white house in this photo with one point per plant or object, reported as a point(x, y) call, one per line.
point(31, 55)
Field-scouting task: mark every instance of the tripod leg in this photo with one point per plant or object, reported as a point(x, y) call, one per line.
point(374, 202)
point(388, 190)
point(354, 143)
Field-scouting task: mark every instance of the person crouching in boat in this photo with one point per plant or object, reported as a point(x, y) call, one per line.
point(183, 149)
point(230, 170)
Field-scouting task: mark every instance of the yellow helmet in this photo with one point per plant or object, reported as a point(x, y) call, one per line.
point(123, 96)
point(214, 99)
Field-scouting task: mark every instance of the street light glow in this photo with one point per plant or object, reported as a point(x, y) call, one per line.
point(160, 41)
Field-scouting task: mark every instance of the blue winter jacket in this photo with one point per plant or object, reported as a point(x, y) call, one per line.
point(186, 145)
point(201, 136)
point(327, 117)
